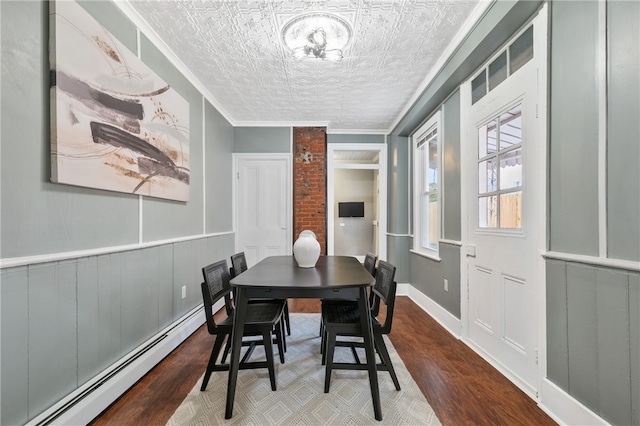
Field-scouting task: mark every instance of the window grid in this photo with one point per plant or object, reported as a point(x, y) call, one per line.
point(500, 151)
point(508, 61)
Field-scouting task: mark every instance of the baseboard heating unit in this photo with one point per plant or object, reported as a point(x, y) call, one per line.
point(88, 401)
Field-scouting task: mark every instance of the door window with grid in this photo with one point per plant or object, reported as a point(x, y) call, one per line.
point(500, 171)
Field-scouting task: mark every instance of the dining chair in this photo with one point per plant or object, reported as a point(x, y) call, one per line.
point(263, 320)
point(369, 264)
point(239, 265)
point(343, 319)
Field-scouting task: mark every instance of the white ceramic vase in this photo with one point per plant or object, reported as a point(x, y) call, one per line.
point(306, 250)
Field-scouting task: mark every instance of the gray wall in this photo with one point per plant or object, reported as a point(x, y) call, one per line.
point(398, 240)
point(262, 139)
point(593, 343)
point(573, 195)
point(219, 144)
point(62, 322)
point(623, 137)
point(593, 311)
point(354, 138)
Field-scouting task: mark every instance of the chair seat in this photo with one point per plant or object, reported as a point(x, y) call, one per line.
point(341, 312)
point(264, 312)
point(257, 315)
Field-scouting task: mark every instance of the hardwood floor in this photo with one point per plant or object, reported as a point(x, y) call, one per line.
point(462, 388)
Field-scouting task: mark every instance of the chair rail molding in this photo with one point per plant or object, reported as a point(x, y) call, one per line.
point(55, 257)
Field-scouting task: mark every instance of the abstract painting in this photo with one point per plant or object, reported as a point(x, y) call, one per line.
point(115, 125)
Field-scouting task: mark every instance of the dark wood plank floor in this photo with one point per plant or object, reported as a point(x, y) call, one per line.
point(461, 387)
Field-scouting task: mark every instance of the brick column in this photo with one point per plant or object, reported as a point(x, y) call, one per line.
point(310, 183)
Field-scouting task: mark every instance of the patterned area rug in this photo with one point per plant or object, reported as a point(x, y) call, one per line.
point(300, 399)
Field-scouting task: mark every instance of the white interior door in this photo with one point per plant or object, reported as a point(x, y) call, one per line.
point(503, 183)
point(263, 206)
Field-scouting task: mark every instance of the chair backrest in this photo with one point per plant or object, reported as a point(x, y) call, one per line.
point(215, 287)
point(370, 263)
point(238, 263)
point(385, 290)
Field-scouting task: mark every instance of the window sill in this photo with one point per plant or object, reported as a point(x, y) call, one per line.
point(430, 256)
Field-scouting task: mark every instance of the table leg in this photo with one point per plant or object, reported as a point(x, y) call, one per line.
point(239, 315)
point(367, 331)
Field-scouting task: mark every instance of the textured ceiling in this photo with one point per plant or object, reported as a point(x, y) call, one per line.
point(234, 50)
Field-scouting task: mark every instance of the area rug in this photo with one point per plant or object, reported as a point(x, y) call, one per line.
point(300, 399)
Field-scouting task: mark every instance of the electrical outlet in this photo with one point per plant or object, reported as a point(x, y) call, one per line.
point(184, 291)
point(446, 285)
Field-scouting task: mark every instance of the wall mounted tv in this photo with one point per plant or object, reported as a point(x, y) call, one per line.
point(351, 209)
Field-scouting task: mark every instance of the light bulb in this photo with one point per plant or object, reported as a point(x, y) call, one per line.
point(333, 55)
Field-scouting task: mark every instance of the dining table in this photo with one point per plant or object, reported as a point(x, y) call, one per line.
point(280, 277)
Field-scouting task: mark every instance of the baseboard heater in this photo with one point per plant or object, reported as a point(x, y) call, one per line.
point(171, 337)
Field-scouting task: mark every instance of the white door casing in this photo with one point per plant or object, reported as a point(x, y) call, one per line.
point(380, 188)
point(262, 205)
point(502, 272)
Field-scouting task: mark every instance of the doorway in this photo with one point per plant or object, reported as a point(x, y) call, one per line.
point(356, 199)
point(262, 205)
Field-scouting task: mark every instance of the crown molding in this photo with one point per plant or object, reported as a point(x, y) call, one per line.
point(281, 124)
point(311, 124)
point(357, 132)
point(141, 24)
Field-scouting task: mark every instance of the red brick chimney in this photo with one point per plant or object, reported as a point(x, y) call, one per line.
point(310, 183)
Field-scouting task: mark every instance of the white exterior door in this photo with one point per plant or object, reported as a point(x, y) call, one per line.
point(503, 187)
point(262, 205)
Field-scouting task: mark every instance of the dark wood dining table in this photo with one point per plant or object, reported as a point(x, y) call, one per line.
point(279, 277)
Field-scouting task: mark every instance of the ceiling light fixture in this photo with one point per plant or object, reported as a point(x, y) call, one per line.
point(317, 35)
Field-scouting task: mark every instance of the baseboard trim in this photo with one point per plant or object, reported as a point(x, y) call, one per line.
point(565, 409)
point(437, 312)
point(506, 372)
point(88, 401)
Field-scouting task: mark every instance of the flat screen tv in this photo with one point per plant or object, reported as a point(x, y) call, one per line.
point(351, 209)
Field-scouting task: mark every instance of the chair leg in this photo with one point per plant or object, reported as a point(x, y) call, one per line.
point(284, 336)
point(386, 360)
point(227, 347)
point(215, 351)
point(331, 345)
point(286, 317)
point(279, 340)
point(268, 350)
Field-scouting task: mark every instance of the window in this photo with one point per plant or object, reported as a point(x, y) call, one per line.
point(505, 64)
point(426, 184)
point(500, 171)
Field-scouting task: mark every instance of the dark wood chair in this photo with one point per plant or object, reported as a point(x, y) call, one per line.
point(343, 319)
point(370, 260)
point(239, 265)
point(369, 264)
point(263, 321)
